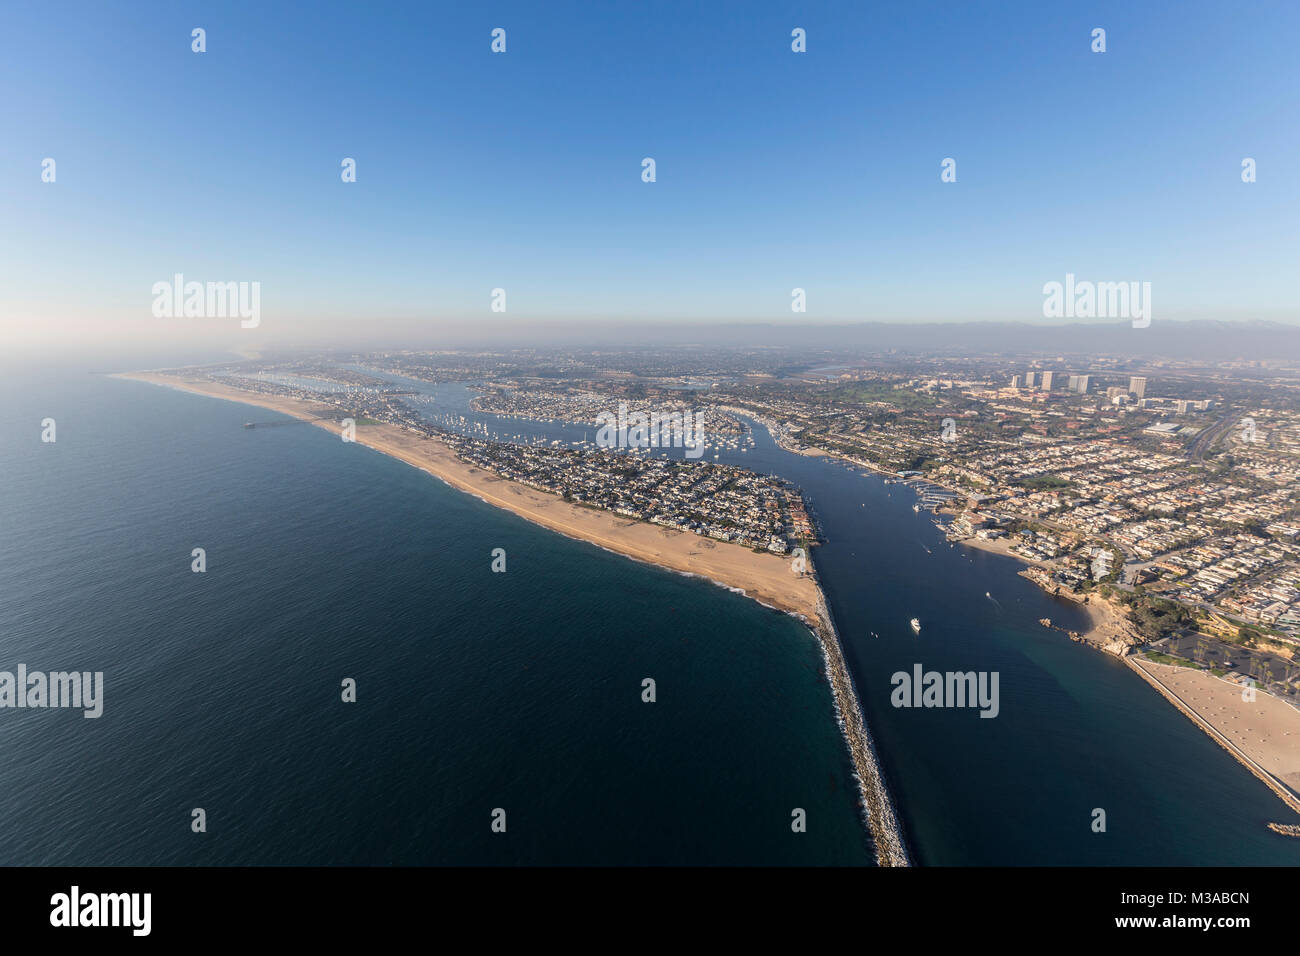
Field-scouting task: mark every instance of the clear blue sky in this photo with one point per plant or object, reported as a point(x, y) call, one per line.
point(522, 170)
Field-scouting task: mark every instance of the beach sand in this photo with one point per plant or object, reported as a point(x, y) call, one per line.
point(766, 578)
point(1000, 546)
point(1111, 624)
point(1265, 730)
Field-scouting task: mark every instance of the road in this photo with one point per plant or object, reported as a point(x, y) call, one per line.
point(1196, 451)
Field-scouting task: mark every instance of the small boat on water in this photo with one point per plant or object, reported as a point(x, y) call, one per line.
point(916, 508)
point(916, 625)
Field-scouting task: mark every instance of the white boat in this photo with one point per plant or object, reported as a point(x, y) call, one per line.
point(916, 625)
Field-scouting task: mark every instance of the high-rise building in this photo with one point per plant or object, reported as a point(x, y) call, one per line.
point(1073, 384)
point(1138, 386)
point(1015, 381)
point(1029, 380)
point(1047, 381)
point(1083, 384)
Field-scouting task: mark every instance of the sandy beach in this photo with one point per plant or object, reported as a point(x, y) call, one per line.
point(1111, 626)
point(1000, 546)
point(766, 578)
point(1263, 734)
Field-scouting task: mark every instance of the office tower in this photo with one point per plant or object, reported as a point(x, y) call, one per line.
point(1047, 381)
point(1015, 381)
point(1029, 380)
point(1083, 384)
point(1138, 386)
point(1073, 384)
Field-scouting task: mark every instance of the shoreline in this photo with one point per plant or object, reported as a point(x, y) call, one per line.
point(1108, 627)
point(766, 579)
point(1162, 676)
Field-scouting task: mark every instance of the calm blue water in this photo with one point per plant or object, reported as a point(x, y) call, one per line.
point(522, 690)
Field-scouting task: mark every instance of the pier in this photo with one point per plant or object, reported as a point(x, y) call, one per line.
point(289, 421)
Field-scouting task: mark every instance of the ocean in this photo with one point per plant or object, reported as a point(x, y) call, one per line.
point(522, 691)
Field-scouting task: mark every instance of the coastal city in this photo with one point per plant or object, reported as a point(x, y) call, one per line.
point(1182, 506)
point(1170, 494)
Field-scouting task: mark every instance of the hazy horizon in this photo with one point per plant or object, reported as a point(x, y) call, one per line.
point(523, 171)
point(1206, 340)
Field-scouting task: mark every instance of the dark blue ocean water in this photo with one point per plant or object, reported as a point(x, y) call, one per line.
point(522, 690)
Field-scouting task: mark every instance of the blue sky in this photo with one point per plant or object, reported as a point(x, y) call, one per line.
point(775, 169)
